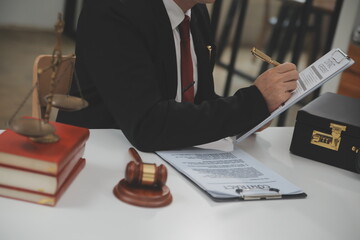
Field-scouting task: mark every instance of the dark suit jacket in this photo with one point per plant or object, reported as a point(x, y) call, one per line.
point(126, 65)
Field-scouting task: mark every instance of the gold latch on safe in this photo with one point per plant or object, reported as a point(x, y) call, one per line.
point(330, 141)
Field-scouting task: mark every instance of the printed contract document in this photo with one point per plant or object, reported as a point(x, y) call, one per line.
point(311, 78)
point(231, 175)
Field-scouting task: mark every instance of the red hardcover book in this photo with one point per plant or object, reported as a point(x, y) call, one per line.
point(37, 181)
point(42, 198)
point(22, 152)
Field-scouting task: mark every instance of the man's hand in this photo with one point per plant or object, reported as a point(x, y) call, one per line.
point(276, 84)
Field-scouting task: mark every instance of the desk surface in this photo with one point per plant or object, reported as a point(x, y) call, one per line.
point(88, 209)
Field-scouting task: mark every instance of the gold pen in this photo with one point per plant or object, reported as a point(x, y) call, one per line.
point(259, 54)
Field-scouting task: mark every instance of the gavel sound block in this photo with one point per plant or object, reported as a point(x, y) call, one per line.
point(144, 184)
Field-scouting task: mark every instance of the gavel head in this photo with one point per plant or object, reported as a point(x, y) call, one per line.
point(145, 174)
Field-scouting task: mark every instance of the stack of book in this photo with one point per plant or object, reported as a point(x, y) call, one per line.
point(41, 172)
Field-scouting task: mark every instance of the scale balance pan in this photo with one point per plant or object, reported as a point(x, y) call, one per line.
point(67, 103)
point(32, 128)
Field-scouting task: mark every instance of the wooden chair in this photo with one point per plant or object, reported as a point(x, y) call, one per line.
point(63, 79)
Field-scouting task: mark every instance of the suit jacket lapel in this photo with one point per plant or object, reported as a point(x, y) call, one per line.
point(166, 50)
point(204, 57)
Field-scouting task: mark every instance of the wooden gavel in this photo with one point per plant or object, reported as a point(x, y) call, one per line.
point(144, 174)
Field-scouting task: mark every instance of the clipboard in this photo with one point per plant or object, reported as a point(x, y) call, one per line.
point(268, 194)
point(236, 181)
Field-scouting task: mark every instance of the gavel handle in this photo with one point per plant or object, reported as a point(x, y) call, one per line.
point(135, 155)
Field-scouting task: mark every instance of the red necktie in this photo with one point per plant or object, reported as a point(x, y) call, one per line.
point(187, 81)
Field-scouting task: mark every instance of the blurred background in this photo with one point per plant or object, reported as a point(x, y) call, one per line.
point(295, 31)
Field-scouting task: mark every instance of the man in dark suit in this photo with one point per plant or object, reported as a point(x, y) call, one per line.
point(128, 67)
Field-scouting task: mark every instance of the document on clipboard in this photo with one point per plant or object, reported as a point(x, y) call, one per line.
point(233, 175)
point(311, 78)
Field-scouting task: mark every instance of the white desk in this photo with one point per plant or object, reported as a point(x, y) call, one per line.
point(88, 210)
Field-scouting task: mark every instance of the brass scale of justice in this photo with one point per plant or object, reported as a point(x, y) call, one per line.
point(40, 130)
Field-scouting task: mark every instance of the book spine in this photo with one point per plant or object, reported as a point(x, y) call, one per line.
point(37, 181)
point(42, 198)
point(62, 176)
point(65, 161)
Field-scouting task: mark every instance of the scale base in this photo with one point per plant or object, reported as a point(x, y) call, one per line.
point(51, 138)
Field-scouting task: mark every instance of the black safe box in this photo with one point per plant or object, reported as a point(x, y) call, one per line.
point(328, 130)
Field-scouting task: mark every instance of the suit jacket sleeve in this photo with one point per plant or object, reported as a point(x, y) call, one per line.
point(125, 63)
